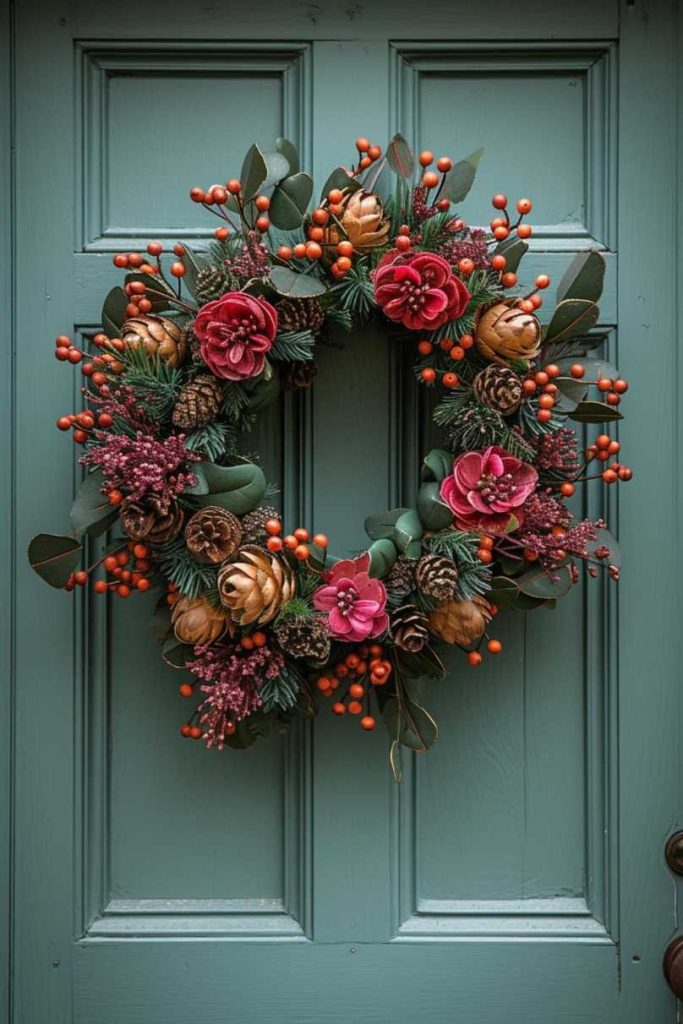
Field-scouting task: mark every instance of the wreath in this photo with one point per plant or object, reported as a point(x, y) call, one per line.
point(264, 623)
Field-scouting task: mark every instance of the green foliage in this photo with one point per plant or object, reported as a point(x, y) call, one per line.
point(282, 691)
point(235, 402)
point(354, 293)
point(177, 564)
point(297, 608)
point(293, 346)
point(54, 558)
point(335, 317)
point(400, 157)
point(474, 426)
point(293, 284)
point(474, 579)
point(460, 178)
point(156, 385)
point(214, 440)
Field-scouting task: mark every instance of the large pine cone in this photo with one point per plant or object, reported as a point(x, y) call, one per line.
point(409, 628)
point(254, 524)
point(211, 283)
point(499, 387)
point(299, 374)
point(505, 333)
point(160, 336)
point(363, 223)
point(401, 576)
point(213, 534)
point(143, 522)
point(305, 638)
point(300, 315)
point(198, 403)
point(461, 622)
point(437, 577)
point(254, 586)
point(196, 621)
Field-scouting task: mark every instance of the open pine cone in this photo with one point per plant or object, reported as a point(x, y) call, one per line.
point(409, 628)
point(460, 622)
point(144, 522)
point(196, 621)
point(363, 223)
point(198, 402)
point(213, 534)
point(160, 335)
point(254, 585)
point(437, 577)
point(307, 637)
point(499, 387)
point(506, 333)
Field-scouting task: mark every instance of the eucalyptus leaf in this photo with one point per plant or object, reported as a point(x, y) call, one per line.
point(595, 366)
point(436, 465)
point(263, 393)
point(114, 312)
point(293, 284)
point(513, 249)
point(290, 153)
point(400, 525)
point(340, 178)
point(289, 201)
point(550, 584)
point(383, 553)
point(193, 263)
point(434, 514)
point(237, 488)
point(421, 664)
point(254, 172)
point(91, 511)
point(460, 178)
point(410, 724)
point(175, 653)
point(277, 166)
point(594, 412)
point(571, 393)
point(583, 278)
point(54, 557)
point(571, 317)
point(400, 157)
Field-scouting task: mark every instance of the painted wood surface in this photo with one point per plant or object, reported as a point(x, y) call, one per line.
point(518, 872)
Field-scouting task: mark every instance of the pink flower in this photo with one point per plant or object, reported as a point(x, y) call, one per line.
point(354, 602)
point(486, 489)
point(235, 332)
point(419, 290)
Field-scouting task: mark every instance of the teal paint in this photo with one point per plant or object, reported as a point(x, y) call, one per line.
point(295, 880)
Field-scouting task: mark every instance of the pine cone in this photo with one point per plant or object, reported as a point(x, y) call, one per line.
point(211, 283)
point(437, 577)
point(499, 387)
point(300, 315)
point(160, 335)
point(299, 374)
point(305, 638)
point(213, 534)
point(504, 333)
point(409, 628)
point(401, 576)
point(254, 524)
point(363, 224)
point(198, 403)
point(196, 621)
point(460, 622)
point(144, 522)
point(254, 586)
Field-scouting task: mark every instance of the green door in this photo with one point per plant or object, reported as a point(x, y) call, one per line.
point(517, 874)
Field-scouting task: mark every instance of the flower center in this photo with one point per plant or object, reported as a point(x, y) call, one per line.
point(241, 329)
point(496, 488)
point(346, 599)
point(414, 295)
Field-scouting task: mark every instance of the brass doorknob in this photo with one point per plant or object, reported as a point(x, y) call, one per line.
point(673, 966)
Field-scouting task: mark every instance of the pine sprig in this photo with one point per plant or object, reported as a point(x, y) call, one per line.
point(281, 692)
point(214, 440)
point(293, 346)
point(235, 401)
point(179, 566)
point(473, 426)
point(155, 384)
point(355, 293)
point(474, 578)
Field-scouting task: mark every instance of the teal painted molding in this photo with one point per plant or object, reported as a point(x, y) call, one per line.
point(7, 530)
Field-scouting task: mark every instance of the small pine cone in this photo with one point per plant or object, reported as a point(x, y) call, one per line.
point(409, 628)
point(254, 585)
point(305, 638)
point(437, 577)
point(254, 524)
point(301, 315)
point(198, 403)
point(499, 388)
point(196, 621)
point(159, 336)
point(461, 622)
point(211, 283)
point(299, 374)
point(143, 522)
point(401, 576)
point(213, 534)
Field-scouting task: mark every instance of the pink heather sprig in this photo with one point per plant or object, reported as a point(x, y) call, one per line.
point(541, 512)
point(252, 261)
point(144, 465)
point(123, 403)
point(574, 542)
point(232, 679)
point(421, 211)
point(471, 246)
point(558, 451)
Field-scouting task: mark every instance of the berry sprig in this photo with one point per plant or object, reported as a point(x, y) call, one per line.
point(362, 670)
point(117, 565)
point(296, 543)
point(443, 357)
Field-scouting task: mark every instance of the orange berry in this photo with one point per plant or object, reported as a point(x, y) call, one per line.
point(501, 233)
point(494, 646)
point(428, 375)
point(186, 730)
point(426, 158)
point(425, 348)
point(302, 552)
point(234, 186)
point(356, 690)
point(542, 281)
point(355, 707)
point(430, 179)
point(546, 401)
point(524, 206)
point(444, 164)
point(320, 217)
point(313, 250)
point(274, 544)
point(577, 370)
point(316, 234)
point(498, 262)
point(368, 723)
point(567, 489)
point(509, 280)
point(450, 380)
point(375, 152)
point(352, 660)
point(474, 658)
point(273, 526)
point(101, 587)
point(335, 196)
point(339, 708)
point(262, 203)
point(178, 269)
point(402, 243)
point(376, 650)
point(196, 732)
point(499, 201)
point(484, 556)
point(466, 341)
point(544, 415)
point(320, 540)
point(345, 248)
point(466, 267)
point(301, 533)
point(186, 689)
point(457, 353)
point(524, 231)
point(362, 144)
point(262, 223)
point(259, 638)
point(323, 683)
point(526, 305)
point(284, 252)
point(291, 542)
point(344, 263)
point(365, 163)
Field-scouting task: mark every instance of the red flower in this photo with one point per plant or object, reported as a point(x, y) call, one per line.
point(419, 289)
point(487, 488)
point(355, 602)
point(235, 332)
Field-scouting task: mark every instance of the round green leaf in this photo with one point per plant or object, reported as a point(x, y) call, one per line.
point(54, 557)
point(291, 283)
point(431, 509)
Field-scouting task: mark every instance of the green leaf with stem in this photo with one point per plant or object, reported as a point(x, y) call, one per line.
point(54, 557)
point(460, 178)
point(400, 157)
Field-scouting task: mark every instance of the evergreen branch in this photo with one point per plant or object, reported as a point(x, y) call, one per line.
point(355, 293)
point(214, 440)
point(293, 346)
point(474, 578)
point(281, 692)
point(155, 384)
point(235, 401)
point(179, 566)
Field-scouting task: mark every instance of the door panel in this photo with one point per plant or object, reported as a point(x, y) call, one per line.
point(517, 871)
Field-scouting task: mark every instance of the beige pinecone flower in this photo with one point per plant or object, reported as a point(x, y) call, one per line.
point(254, 585)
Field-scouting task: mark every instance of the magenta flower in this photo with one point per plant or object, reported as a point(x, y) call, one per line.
point(419, 290)
point(487, 488)
point(354, 602)
point(235, 332)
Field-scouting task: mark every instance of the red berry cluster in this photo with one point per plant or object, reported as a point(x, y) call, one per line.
point(501, 227)
point(360, 671)
point(448, 352)
point(296, 542)
point(124, 577)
